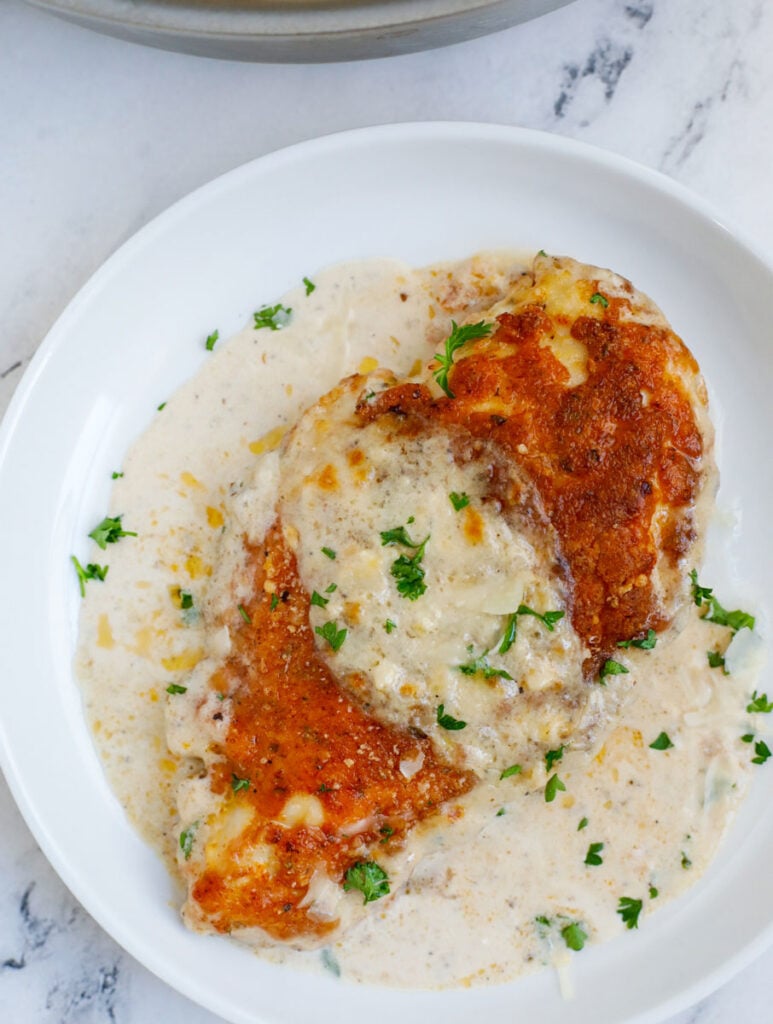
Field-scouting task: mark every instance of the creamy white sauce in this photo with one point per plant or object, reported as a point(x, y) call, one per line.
point(469, 913)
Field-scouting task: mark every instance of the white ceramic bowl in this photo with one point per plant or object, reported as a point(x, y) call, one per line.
point(419, 192)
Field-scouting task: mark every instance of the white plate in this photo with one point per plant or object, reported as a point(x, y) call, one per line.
point(419, 192)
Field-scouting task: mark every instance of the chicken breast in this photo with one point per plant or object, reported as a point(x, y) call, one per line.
point(433, 577)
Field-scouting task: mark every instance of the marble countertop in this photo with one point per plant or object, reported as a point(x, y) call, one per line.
point(97, 136)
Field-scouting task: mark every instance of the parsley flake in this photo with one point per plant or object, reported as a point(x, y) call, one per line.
point(592, 856)
point(583, 824)
point(574, 936)
point(186, 600)
point(387, 832)
point(553, 756)
point(662, 742)
point(160, 407)
point(116, 475)
point(552, 786)
point(644, 643)
point(244, 614)
point(717, 660)
point(331, 588)
point(309, 285)
point(629, 910)
point(329, 962)
point(273, 317)
point(612, 668)
point(330, 632)
point(212, 340)
point(407, 569)
point(759, 705)
point(447, 722)
point(598, 299)
point(548, 620)
point(110, 531)
point(514, 769)
point(318, 600)
point(390, 626)
point(653, 893)
point(175, 688)
point(186, 839)
point(367, 877)
point(747, 737)
point(480, 666)
point(459, 501)
point(500, 812)
point(762, 752)
point(714, 612)
point(686, 862)
point(91, 572)
point(329, 552)
point(399, 535)
point(274, 602)
point(237, 783)
point(459, 336)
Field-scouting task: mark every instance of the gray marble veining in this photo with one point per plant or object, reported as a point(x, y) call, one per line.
point(98, 136)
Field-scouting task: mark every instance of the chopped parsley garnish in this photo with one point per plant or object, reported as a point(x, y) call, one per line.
point(368, 878)
point(459, 336)
point(612, 668)
point(686, 862)
point(583, 824)
point(592, 856)
point(542, 253)
point(480, 666)
point(548, 620)
point(407, 569)
point(91, 572)
point(574, 936)
point(713, 610)
point(447, 722)
point(274, 317)
point(747, 737)
point(653, 893)
point(160, 407)
point(552, 787)
point(459, 501)
point(514, 769)
point(500, 812)
point(110, 531)
point(329, 552)
point(212, 340)
point(330, 632)
point(117, 475)
point(629, 909)
point(390, 626)
point(325, 789)
point(762, 752)
point(186, 600)
point(186, 839)
point(387, 832)
point(318, 600)
point(399, 535)
point(274, 602)
point(175, 688)
point(331, 588)
point(717, 660)
point(662, 742)
point(237, 783)
point(244, 614)
point(759, 704)
point(552, 757)
point(598, 299)
point(543, 920)
point(309, 285)
point(329, 962)
point(644, 644)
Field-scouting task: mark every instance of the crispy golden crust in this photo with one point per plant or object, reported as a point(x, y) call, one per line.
point(608, 456)
point(293, 732)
